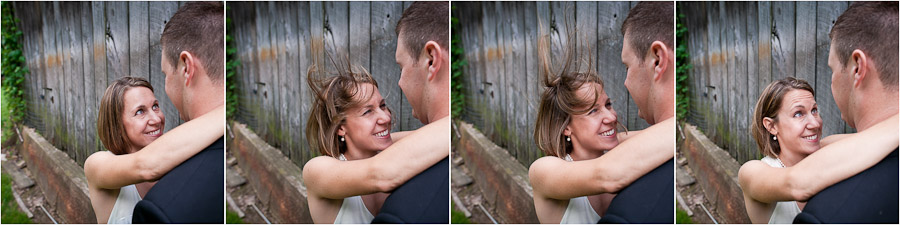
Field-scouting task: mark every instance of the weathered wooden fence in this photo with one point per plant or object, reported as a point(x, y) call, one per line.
point(502, 80)
point(278, 41)
point(738, 48)
point(74, 50)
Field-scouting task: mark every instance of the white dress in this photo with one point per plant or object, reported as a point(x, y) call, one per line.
point(579, 210)
point(785, 211)
point(353, 209)
point(124, 207)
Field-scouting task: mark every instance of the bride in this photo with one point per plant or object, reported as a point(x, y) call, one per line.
point(130, 126)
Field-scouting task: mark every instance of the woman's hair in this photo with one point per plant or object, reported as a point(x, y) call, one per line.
point(560, 100)
point(333, 96)
point(110, 127)
point(767, 106)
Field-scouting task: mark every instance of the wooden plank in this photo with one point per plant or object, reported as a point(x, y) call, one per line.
point(752, 90)
point(74, 84)
point(765, 45)
point(533, 85)
point(276, 37)
point(336, 33)
point(359, 31)
point(98, 49)
point(826, 14)
point(715, 61)
point(784, 31)
point(139, 39)
point(806, 47)
point(290, 79)
point(264, 82)
point(91, 101)
point(117, 42)
point(304, 58)
point(159, 13)
point(383, 44)
point(408, 122)
point(514, 49)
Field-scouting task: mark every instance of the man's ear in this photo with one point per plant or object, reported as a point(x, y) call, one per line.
point(768, 123)
point(659, 53)
point(859, 63)
point(434, 55)
point(189, 63)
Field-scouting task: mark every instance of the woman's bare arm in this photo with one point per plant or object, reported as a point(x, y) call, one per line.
point(330, 178)
point(557, 179)
point(832, 139)
point(108, 171)
point(396, 136)
point(827, 166)
point(623, 136)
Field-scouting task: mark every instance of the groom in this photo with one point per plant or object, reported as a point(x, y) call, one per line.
point(648, 54)
point(193, 61)
point(424, 57)
point(864, 82)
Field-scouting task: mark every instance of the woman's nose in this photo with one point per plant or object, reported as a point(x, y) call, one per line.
point(384, 117)
point(609, 117)
point(155, 118)
point(815, 122)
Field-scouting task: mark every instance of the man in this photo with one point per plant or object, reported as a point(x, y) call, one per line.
point(648, 54)
point(193, 61)
point(424, 58)
point(864, 82)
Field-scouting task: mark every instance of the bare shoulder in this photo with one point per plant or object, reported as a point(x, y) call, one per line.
point(748, 169)
point(96, 157)
point(543, 166)
point(316, 166)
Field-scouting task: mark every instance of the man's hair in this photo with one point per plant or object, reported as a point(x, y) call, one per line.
point(872, 28)
point(198, 28)
point(110, 127)
point(423, 22)
point(648, 22)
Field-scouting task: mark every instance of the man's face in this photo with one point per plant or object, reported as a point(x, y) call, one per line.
point(840, 84)
point(638, 76)
point(174, 83)
point(412, 77)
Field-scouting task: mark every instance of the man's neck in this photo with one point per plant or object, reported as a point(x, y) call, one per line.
point(205, 100)
point(876, 109)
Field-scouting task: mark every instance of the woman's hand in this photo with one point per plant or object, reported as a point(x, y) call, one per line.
point(108, 171)
point(555, 178)
point(333, 179)
point(827, 166)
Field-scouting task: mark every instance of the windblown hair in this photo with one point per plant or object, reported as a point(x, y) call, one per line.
point(110, 126)
point(333, 95)
point(767, 106)
point(560, 101)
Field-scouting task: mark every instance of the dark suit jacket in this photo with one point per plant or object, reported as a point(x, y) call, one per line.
point(867, 197)
point(192, 192)
point(647, 200)
point(423, 199)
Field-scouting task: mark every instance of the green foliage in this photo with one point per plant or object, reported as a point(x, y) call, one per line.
point(11, 213)
point(681, 217)
point(457, 217)
point(682, 56)
point(232, 217)
point(457, 77)
point(232, 64)
point(14, 70)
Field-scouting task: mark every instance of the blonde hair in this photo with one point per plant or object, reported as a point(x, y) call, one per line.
point(333, 96)
point(110, 127)
point(560, 101)
point(767, 106)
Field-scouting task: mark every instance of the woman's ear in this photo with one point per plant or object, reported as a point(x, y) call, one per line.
point(567, 131)
point(769, 123)
point(341, 131)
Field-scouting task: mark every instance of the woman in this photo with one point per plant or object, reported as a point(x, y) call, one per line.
point(787, 128)
point(130, 125)
point(576, 125)
point(350, 125)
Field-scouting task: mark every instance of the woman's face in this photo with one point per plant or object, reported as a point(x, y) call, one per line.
point(143, 120)
point(596, 129)
point(799, 127)
point(367, 129)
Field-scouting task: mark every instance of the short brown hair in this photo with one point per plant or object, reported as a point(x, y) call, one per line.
point(560, 100)
point(198, 27)
point(648, 22)
point(333, 96)
point(767, 106)
point(110, 127)
point(423, 22)
point(872, 28)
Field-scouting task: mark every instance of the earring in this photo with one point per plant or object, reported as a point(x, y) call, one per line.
point(568, 139)
point(342, 138)
point(774, 138)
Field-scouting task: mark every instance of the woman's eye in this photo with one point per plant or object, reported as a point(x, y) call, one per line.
point(592, 111)
point(383, 105)
point(798, 114)
point(815, 110)
point(609, 105)
point(367, 111)
point(139, 112)
point(155, 107)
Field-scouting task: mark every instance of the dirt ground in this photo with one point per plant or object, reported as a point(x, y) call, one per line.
point(695, 199)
